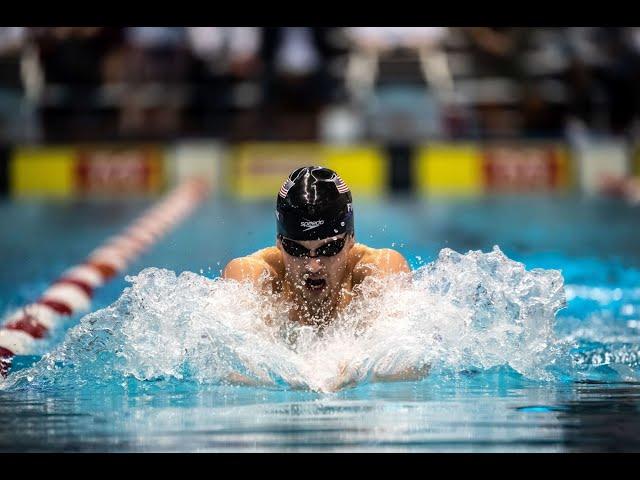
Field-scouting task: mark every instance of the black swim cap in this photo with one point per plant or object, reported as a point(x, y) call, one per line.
point(314, 203)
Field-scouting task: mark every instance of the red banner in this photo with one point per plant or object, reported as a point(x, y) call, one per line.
point(526, 168)
point(133, 170)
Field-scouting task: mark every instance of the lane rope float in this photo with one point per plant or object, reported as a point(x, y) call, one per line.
point(71, 293)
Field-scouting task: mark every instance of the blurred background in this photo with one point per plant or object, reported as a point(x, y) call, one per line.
point(459, 137)
point(104, 110)
point(98, 110)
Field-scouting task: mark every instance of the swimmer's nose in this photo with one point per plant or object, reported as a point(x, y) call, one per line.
point(313, 265)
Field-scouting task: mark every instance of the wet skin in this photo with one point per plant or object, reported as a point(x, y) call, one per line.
point(319, 286)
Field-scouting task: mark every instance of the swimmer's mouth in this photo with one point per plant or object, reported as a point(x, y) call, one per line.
point(315, 283)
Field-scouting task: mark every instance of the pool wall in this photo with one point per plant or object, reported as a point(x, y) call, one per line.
point(255, 169)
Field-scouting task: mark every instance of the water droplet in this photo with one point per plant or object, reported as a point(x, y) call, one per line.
point(439, 308)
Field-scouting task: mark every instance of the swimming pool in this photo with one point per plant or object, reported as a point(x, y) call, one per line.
point(590, 404)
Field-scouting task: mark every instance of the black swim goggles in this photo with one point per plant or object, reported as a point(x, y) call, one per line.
point(327, 250)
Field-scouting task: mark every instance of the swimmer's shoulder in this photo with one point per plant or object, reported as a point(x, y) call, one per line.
point(376, 261)
point(272, 257)
point(255, 266)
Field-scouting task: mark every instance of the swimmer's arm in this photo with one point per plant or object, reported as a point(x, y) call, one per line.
point(250, 269)
point(407, 375)
point(380, 263)
point(350, 375)
point(235, 378)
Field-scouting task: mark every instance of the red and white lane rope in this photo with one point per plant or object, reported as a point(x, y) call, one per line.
point(71, 293)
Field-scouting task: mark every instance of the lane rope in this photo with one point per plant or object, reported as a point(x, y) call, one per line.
point(71, 293)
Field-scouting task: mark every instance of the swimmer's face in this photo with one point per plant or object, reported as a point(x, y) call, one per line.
point(316, 277)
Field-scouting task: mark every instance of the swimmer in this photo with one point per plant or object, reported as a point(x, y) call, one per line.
point(316, 264)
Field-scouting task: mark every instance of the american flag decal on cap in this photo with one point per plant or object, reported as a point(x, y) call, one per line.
point(286, 186)
point(342, 187)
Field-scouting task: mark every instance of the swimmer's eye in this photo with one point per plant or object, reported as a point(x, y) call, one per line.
point(332, 248)
point(327, 250)
point(294, 248)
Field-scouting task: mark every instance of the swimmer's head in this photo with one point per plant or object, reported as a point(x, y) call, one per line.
point(312, 204)
point(315, 232)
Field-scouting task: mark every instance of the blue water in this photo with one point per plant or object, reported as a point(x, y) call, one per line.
point(590, 403)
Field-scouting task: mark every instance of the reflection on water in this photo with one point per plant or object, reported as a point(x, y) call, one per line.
point(605, 417)
point(486, 412)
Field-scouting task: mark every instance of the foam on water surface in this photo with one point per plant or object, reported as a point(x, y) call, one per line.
point(461, 312)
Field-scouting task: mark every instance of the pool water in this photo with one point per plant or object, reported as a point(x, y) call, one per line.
point(589, 401)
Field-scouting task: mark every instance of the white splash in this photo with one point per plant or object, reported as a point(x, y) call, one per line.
point(477, 310)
